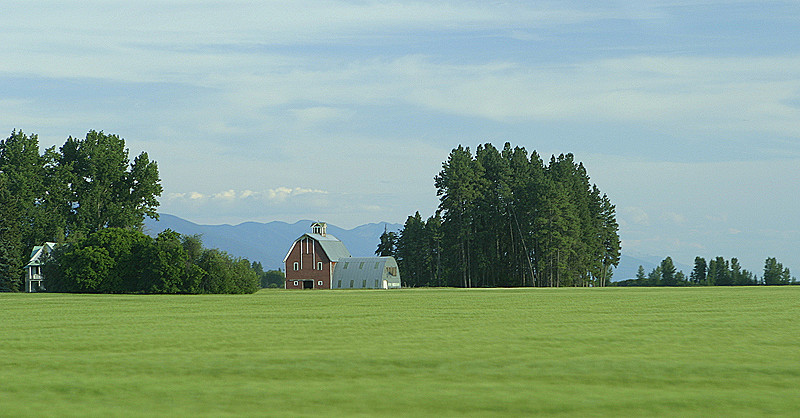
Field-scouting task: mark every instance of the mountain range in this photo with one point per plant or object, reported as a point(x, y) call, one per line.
point(268, 243)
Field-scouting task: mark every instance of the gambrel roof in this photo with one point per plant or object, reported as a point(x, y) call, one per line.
point(333, 248)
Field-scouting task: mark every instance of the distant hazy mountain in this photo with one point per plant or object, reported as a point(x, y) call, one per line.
point(629, 265)
point(269, 242)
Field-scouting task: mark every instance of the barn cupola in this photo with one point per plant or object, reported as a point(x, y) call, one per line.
point(319, 228)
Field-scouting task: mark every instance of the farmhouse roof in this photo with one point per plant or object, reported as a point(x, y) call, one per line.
point(38, 252)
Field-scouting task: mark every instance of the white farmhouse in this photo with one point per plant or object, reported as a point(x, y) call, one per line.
point(34, 280)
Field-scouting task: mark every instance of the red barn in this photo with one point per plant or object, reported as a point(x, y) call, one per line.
point(311, 259)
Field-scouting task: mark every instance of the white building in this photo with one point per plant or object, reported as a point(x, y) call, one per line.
point(34, 280)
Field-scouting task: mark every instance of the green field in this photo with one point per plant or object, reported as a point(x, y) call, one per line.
point(573, 352)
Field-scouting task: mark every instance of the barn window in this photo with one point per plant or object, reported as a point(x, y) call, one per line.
point(361, 266)
point(296, 266)
point(376, 283)
point(345, 265)
point(319, 283)
point(319, 265)
point(351, 284)
point(339, 284)
point(295, 282)
point(376, 264)
point(364, 283)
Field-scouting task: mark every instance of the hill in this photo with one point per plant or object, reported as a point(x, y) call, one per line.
point(269, 242)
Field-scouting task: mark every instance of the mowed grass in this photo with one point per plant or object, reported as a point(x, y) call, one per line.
point(432, 352)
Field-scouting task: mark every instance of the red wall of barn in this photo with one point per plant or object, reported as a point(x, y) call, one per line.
point(307, 253)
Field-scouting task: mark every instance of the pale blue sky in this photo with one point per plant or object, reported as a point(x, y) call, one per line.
point(687, 113)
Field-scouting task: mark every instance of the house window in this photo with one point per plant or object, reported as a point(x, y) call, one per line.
point(296, 266)
point(319, 283)
point(319, 265)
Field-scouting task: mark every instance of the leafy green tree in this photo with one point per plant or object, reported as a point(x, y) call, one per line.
point(89, 269)
point(273, 278)
point(226, 274)
point(118, 260)
point(193, 246)
point(105, 188)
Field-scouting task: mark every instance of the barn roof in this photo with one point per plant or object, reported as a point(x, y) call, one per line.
point(333, 248)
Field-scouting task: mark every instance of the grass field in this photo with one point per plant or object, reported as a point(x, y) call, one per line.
point(572, 352)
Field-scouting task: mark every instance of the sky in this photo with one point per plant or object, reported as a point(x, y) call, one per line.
point(686, 113)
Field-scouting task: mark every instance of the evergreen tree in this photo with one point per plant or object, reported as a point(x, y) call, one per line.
point(698, 274)
point(458, 185)
point(654, 278)
point(506, 219)
point(609, 237)
point(668, 272)
point(387, 245)
point(412, 252)
point(775, 273)
point(740, 276)
point(721, 272)
point(641, 275)
point(21, 188)
point(433, 232)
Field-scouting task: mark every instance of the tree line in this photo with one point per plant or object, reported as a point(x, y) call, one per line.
point(506, 218)
point(119, 260)
point(716, 272)
point(87, 195)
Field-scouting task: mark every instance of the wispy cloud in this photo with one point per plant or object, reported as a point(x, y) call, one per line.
point(279, 194)
point(685, 111)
